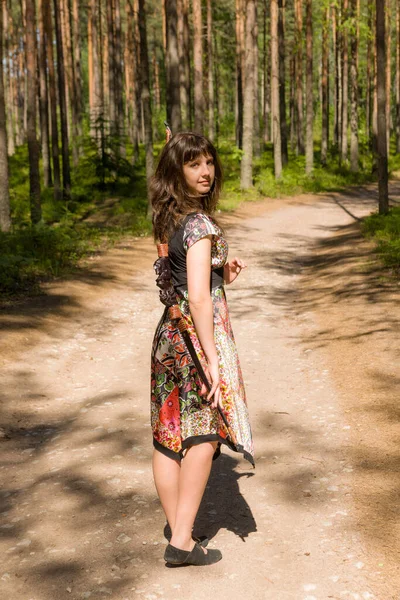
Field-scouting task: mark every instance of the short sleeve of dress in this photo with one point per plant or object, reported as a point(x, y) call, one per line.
point(199, 226)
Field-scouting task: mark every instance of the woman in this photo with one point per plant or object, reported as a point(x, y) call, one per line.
point(187, 428)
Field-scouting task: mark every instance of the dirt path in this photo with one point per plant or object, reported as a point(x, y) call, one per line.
point(80, 517)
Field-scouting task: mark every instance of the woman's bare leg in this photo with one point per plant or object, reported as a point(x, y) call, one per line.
point(194, 473)
point(166, 473)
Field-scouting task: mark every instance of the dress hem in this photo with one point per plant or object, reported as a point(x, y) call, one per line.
point(199, 439)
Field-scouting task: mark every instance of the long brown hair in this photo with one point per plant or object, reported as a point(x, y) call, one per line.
point(170, 196)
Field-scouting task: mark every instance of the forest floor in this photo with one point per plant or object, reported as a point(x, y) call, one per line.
point(317, 327)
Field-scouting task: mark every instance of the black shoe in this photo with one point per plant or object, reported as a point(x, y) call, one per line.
point(201, 539)
point(177, 557)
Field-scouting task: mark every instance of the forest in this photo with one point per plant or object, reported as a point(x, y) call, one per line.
point(297, 95)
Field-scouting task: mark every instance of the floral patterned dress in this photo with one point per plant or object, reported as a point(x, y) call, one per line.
point(180, 417)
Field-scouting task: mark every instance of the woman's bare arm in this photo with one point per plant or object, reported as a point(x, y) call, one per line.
point(198, 264)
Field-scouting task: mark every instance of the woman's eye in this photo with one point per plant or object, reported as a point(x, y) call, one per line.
point(195, 164)
point(210, 162)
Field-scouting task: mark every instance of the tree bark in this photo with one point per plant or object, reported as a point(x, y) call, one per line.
point(266, 72)
point(256, 115)
point(292, 111)
point(382, 159)
point(198, 67)
point(77, 62)
point(63, 105)
point(374, 95)
point(184, 62)
point(388, 15)
point(48, 26)
point(8, 80)
point(43, 100)
point(246, 171)
point(5, 218)
point(95, 75)
point(345, 82)
point(173, 79)
point(111, 68)
point(144, 72)
point(398, 76)
point(282, 81)
point(325, 87)
point(239, 73)
point(309, 91)
point(354, 89)
point(276, 127)
point(299, 76)
point(368, 103)
point(131, 89)
point(33, 145)
point(210, 61)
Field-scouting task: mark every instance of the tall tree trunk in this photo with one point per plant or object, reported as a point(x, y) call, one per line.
point(111, 70)
point(299, 75)
point(33, 145)
point(48, 26)
point(256, 115)
point(325, 87)
point(336, 75)
point(382, 159)
point(292, 110)
point(63, 104)
point(119, 101)
point(43, 101)
point(8, 81)
point(67, 75)
point(210, 57)
point(184, 61)
point(144, 71)
point(375, 95)
point(246, 171)
point(131, 89)
point(345, 81)
point(276, 126)
point(198, 67)
point(368, 103)
point(5, 218)
point(388, 15)
point(77, 62)
point(282, 81)
point(156, 79)
point(71, 82)
point(266, 73)
point(309, 91)
point(173, 79)
point(398, 76)
point(95, 75)
point(239, 72)
point(354, 89)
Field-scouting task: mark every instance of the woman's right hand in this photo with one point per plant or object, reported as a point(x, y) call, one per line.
point(214, 395)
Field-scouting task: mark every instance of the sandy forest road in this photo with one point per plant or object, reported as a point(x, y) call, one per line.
point(316, 331)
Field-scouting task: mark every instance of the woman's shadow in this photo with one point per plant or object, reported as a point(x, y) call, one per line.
point(223, 506)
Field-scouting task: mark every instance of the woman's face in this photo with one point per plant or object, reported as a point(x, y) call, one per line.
point(199, 174)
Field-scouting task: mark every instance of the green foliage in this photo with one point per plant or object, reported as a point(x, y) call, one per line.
point(385, 230)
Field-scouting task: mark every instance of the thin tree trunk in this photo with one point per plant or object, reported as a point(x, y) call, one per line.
point(173, 92)
point(282, 81)
point(119, 102)
point(210, 60)
point(43, 101)
point(398, 76)
point(67, 75)
point(131, 89)
point(335, 39)
point(199, 104)
point(63, 105)
point(33, 145)
point(375, 95)
point(299, 75)
point(239, 73)
point(77, 63)
point(144, 71)
point(184, 61)
point(111, 96)
point(48, 26)
point(5, 218)
point(276, 127)
point(382, 159)
point(95, 75)
point(325, 87)
point(156, 79)
point(292, 111)
point(345, 82)
point(71, 82)
point(266, 70)
point(256, 115)
point(388, 15)
point(309, 91)
point(8, 80)
point(368, 111)
point(354, 89)
point(138, 88)
point(246, 171)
